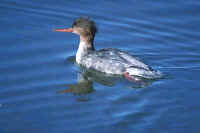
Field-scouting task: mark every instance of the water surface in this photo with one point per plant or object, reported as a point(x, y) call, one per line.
point(39, 89)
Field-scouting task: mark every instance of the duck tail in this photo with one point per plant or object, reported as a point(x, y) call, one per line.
point(142, 73)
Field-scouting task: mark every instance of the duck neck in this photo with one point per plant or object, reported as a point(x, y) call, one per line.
point(85, 46)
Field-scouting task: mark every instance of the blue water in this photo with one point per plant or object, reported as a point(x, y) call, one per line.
point(39, 83)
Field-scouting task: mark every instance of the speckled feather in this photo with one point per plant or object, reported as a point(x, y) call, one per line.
point(116, 62)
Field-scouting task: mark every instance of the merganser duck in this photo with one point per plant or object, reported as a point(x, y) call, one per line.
point(108, 60)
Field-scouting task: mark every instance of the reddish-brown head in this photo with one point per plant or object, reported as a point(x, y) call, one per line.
point(83, 27)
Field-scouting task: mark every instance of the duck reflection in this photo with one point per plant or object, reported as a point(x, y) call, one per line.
point(83, 86)
point(85, 81)
point(86, 78)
